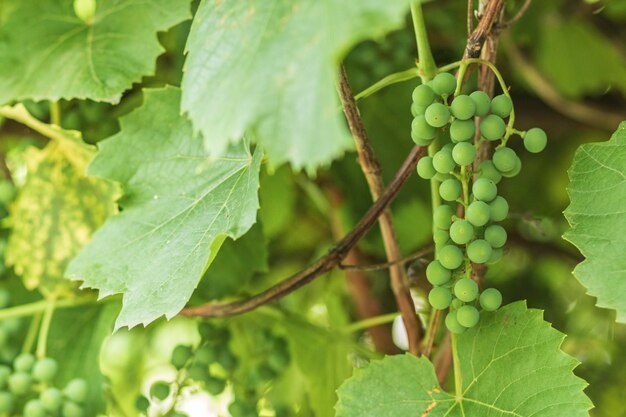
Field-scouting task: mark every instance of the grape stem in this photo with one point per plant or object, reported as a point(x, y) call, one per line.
point(31, 309)
point(388, 80)
point(458, 379)
point(42, 339)
point(31, 334)
point(370, 322)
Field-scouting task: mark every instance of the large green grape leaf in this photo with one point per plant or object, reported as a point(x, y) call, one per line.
point(271, 67)
point(49, 53)
point(597, 215)
point(178, 207)
point(511, 366)
point(56, 211)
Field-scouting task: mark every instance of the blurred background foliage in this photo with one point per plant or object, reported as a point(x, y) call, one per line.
point(565, 61)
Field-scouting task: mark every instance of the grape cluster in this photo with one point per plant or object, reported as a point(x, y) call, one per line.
point(26, 389)
point(212, 365)
point(475, 237)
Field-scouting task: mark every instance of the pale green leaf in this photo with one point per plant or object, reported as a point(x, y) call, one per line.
point(177, 209)
point(57, 210)
point(511, 366)
point(597, 215)
point(49, 53)
point(271, 67)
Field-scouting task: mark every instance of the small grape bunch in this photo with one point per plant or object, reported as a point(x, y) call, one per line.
point(27, 386)
point(475, 238)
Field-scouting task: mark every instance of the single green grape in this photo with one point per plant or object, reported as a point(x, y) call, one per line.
point(467, 316)
point(442, 216)
point(463, 107)
point(461, 231)
point(488, 170)
point(227, 360)
point(437, 274)
point(213, 385)
point(462, 130)
point(478, 213)
point(160, 390)
point(45, 369)
point(490, 299)
point(421, 130)
point(51, 398)
point(496, 255)
point(423, 95)
point(76, 390)
point(535, 140)
point(443, 84)
point(450, 189)
point(425, 168)
point(85, 10)
point(437, 115)
point(499, 209)
point(241, 409)
point(443, 162)
point(482, 102)
point(417, 110)
point(495, 235)
point(24, 362)
point(440, 237)
point(180, 356)
point(492, 127)
point(504, 159)
point(142, 403)
point(212, 333)
point(479, 251)
point(260, 374)
point(198, 372)
point(466, 290)
point(20, 383)
point(71, 409)
point(439, 298)
point(453, 324)
point(6, 403)
point(501, 106)
point(205, 355)
point(516, 170)
point(464, 153)
point(447, 148)
point(484, 189)
point(456, 304)
point(450, 256)
point(34, 408)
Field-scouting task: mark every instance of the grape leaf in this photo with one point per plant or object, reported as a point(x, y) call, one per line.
point(178, 207)
point(271, 67)
point(597, 218)
point(56, 211)
point(511, 366)
point(49, 53)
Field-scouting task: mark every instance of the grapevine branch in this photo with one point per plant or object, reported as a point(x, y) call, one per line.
point(479, 35)
point(331, 260)
point(372, 171)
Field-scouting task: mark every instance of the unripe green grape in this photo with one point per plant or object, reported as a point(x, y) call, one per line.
point(240, 409)
point(34, 408)
point(71, 409)
point(423, 95)
point(5, 372)
point(278, 361)
point(504, 159)
point(76, 390)
point(180, 355)
point(450, 256)
point(450, 189)
point(214, 386)
point(205, 355)
point(442, 177)
point(456, 304)
point(488, 170)
point(496, 255)
point(482, 102)
point(24, 362)
point(198, 372)
point(6, 403)
point(492, 127)
point(484, 189)
point(479, 251)
point(467, 316)
point(462, 130)
point(51, 399)
point(160, 390)
point(490, 299)
point(443, 162)
point(501, 106)
point(440, 237)
point(5, 296)
point(142, 403)
point(20, 383)
point(437, 115)
point(442, 216)
point(461, 231)
point(417, 110)
point(447, 148)
point(443, 84)
point(453, 324)
point(437, 274)
point(495, 235)
point(425, 168)
point(463, 107)
point(515, 171)
point(464, 153)
point(499, 209)
point(535, 140)
point(212, 333)
point(227, 360)
point(45, 369)
point(439, 298)
point(85, 9)
point(466, 290)
point(478, 213)
point(421, 130)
